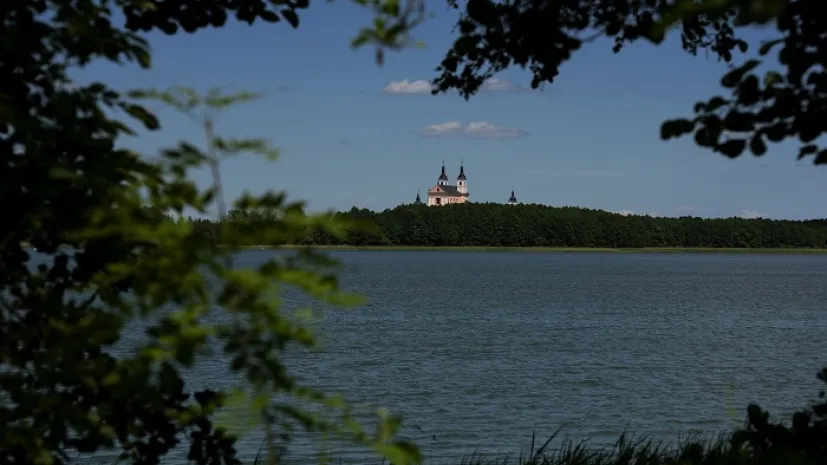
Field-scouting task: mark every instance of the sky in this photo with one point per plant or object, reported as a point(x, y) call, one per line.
point(351, 133)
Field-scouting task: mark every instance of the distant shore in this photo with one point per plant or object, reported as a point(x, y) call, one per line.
point(403, 248)
point(413, 248)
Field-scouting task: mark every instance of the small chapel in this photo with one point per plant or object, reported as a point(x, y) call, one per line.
point(444, 194)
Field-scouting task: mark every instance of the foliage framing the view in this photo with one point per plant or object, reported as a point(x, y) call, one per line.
point(90, 207)
point(541, 35)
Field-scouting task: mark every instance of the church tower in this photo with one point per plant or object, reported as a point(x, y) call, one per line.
point(442, 180)
point(418, 200)
point(513, 199)
point(462, 181)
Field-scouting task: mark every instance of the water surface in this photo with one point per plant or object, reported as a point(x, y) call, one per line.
point(479, 350)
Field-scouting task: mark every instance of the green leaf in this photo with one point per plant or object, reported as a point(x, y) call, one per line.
point(143, 115)
point(365, 36)
point(43, 458)
point(772, 78)
point(397, 455)
point(61, 172)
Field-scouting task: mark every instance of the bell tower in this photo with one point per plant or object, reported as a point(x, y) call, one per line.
point(462, 181)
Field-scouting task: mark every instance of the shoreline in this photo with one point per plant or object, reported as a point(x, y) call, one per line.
point(503, 249)
point(666, 250)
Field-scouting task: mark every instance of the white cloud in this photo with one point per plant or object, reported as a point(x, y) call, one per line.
point(442, 129)
point(498, 85)
point(688, 210)
point(408, 87)
point(751, 214)
point(485, 130)
point(422, 87)
point(477, 130)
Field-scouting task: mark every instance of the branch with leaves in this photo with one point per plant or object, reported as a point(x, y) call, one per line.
point(95, 212)
point(781, 104)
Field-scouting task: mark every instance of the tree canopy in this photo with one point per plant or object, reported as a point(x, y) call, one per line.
point(532, 225)
point(540, 35)
point(93, 210)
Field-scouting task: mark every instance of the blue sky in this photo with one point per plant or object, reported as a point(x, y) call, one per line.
point(590, 140)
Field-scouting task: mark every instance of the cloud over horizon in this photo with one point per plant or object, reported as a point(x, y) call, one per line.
point(476, 130)
point(423, 87)
point(751, 214)
point(685, 210)
point(627, 212)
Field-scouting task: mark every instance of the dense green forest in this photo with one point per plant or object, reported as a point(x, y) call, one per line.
point(532, 225)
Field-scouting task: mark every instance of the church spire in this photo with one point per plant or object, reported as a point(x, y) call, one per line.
point(418, 199)
point(443, 178)
point(513, 199)
point(461, 176)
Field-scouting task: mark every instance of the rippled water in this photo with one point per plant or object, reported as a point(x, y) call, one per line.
point(479, 350)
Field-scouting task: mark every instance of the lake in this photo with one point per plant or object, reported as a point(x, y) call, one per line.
point(479, 350)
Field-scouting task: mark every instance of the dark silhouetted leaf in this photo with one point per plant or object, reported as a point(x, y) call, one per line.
point(140, 113)
point(757, 145)
point(776, 132)
point(732, 148)
point(767, 46)
point(732, 78)
point(807, 150)
point(675, 128)
point(772, 78)
point(483, 12)
point(291, 17)
point(738, 121)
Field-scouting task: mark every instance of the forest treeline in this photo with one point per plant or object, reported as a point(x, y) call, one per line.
point(532, 225)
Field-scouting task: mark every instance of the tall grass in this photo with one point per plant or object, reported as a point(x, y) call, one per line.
point(626, 451)
point(718, 450)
